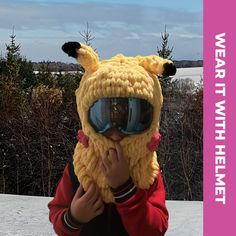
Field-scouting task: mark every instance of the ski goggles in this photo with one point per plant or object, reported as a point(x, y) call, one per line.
point(128, 115)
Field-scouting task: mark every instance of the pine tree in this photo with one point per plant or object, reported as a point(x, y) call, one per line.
point(165, 51)
point(13, 59)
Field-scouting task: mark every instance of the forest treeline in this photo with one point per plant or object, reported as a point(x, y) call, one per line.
point(39, 123)
point(60, 66)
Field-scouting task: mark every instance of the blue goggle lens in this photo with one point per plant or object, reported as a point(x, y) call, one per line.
point(128, 115)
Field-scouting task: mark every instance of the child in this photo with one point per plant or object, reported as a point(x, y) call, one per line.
point(114, 185)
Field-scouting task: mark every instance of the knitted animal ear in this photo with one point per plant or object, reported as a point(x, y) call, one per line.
point(157, 65)
point(84, 54)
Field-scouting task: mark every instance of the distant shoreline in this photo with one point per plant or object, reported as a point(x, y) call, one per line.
point(53, 66)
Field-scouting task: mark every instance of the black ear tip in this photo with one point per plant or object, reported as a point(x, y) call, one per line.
point(169, 69)
point(70, 48)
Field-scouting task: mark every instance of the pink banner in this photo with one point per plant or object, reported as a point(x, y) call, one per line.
point(219, 118)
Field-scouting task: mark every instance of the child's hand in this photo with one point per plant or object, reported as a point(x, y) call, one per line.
point(84, 207)
point(115, 167)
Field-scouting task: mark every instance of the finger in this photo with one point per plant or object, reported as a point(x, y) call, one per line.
point(103, 168)
point(79, 192)
point(119, 151)
point(95, 196)
point(89, 193)
point(100, 210)
point(98, 204)
point(112, 155)
point(106, 161)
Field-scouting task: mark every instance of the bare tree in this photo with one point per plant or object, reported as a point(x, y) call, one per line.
point(87, 36)
point(180, 152)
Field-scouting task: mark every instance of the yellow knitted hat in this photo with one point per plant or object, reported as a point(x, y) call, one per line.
point(119, 76)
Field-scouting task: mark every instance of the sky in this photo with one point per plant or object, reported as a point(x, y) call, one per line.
point(130, 27)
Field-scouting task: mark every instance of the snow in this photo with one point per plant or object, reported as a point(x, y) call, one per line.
point(28, 216)
point(193, 73)
point(185, 218)
point(24, 216)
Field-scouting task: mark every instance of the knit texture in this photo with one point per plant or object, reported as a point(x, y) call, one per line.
point(119, 76)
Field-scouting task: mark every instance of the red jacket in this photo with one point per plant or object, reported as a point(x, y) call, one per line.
point(143, 214)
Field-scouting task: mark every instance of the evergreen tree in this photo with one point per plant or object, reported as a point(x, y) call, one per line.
point(16, 69)
point(13, 58)
point(165, 51)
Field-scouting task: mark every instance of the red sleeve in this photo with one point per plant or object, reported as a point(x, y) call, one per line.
point(145, 212)
point(60, 204)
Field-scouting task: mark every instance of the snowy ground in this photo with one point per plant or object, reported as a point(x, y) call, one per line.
point(28, 216)
point(193, 73)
